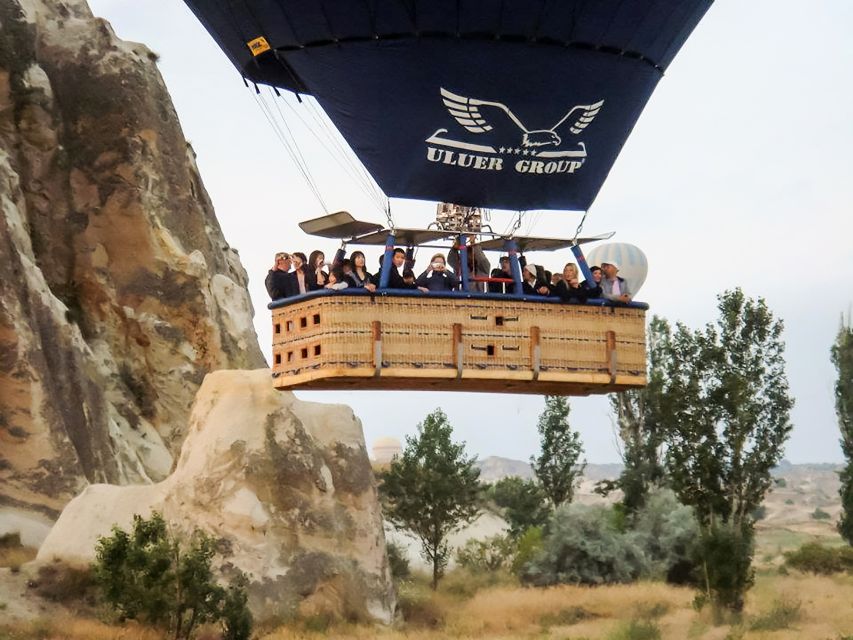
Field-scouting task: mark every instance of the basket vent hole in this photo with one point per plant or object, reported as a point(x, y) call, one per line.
point(316, 349)
point(278, 327)
point(499, 321)
point(278, 358)
point(303, 322)
point(304, 353)
point(316, 318)
point(490, 350)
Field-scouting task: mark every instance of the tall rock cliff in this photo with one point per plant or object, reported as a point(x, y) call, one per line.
point(118, 292)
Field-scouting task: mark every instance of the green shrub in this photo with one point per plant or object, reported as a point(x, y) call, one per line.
point(161, 579)
point(820, 514)
point(669, 534)
point(782, 615)
point(418, 606)
point(489, 554)
point(725, 551)
point(584, 547)
point(397, 560)
point(813, 557)
point(528, 546)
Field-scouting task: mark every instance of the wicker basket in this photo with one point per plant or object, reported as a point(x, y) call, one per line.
point(345, 341)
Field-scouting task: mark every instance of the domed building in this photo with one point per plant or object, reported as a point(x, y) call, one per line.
point(385, 448)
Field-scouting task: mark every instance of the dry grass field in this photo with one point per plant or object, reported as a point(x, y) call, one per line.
point(779, 608)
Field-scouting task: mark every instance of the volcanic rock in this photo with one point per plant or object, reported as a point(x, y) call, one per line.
point(118, 291)
point(284, 485)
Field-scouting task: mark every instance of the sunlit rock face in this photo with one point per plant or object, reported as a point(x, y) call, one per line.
point(285, 486)
point(118, 292)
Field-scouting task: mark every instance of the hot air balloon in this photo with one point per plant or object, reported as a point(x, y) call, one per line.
point(510, 104)
point(632, 262)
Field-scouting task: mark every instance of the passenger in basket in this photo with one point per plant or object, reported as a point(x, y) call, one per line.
point(612, 286)
point(503, 272)
point(595, 270)
point(531, 284)
point(298, 277)
point(360, 277)
point(478, 266)
point(278, 281)
point(337, 280)
point(437, 277)
point(568, 289)
point(317, 278)
point(397, 271)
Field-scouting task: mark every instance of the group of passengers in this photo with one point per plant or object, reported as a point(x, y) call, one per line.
point(294, 274)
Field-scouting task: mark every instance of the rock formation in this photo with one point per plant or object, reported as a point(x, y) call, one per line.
point(118, 292)
point(285, 485)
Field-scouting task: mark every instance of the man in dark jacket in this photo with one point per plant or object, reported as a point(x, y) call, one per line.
point(278, 282)
point(395, 279)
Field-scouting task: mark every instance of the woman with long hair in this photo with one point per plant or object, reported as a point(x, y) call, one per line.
point(359, 276)
point(314, 270)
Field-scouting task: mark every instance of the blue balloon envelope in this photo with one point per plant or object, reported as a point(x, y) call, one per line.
point(512, 104)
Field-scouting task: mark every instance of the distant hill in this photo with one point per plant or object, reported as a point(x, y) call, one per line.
point(494, 468)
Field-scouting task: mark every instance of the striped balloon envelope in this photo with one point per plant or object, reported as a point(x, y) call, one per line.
point(632, 262)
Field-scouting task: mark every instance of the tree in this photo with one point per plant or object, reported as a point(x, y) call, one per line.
point(432, 489)
point(557, 467)
point(157, 577)
point(842, 358)
point(524, 502)
point(640, 428)
point(726, 406)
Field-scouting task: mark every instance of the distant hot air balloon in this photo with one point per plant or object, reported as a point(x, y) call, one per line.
point(632, 262)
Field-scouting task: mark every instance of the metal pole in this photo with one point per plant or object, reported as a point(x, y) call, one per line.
point(387, 261)
point(511, 247)
point(584, 267)
point(463, 261)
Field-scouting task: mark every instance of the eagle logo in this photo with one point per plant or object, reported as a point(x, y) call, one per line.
point(467, 112)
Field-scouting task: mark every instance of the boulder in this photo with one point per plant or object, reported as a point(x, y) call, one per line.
point(285, 486)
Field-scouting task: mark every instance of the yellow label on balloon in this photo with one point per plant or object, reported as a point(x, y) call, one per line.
point(258, 46)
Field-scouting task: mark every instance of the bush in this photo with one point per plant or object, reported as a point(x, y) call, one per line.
point(528, 546)
point(782, 615)
point(637, 630)
point(669, 533)
point(820, 514)
point(154, 576)
point(397, 560)
point(584, 547)
point(63, 583)
point(813, 557)
point(488, 555)
point(726, 551)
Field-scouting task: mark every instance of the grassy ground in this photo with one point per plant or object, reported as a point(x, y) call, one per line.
point(466, 607)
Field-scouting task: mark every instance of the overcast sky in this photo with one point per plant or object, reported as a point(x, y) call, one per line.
point(739, 173)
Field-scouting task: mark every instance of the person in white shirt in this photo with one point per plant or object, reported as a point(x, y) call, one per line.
point(613, 287)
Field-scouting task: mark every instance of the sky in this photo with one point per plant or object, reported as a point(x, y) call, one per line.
point(738, 174)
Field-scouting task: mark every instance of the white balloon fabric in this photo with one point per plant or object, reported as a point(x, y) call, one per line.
point(632, 262)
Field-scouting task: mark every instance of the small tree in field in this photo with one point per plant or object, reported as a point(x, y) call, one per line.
point(156, 577)
point(432, 489)
point(557, 466)
point(726, 407)
point(842, 358)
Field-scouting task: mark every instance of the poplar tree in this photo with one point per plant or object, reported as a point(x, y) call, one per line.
point(432, 489)
point(557, 466)
point(727, 411)
point(842, 358)
point(641, 431)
